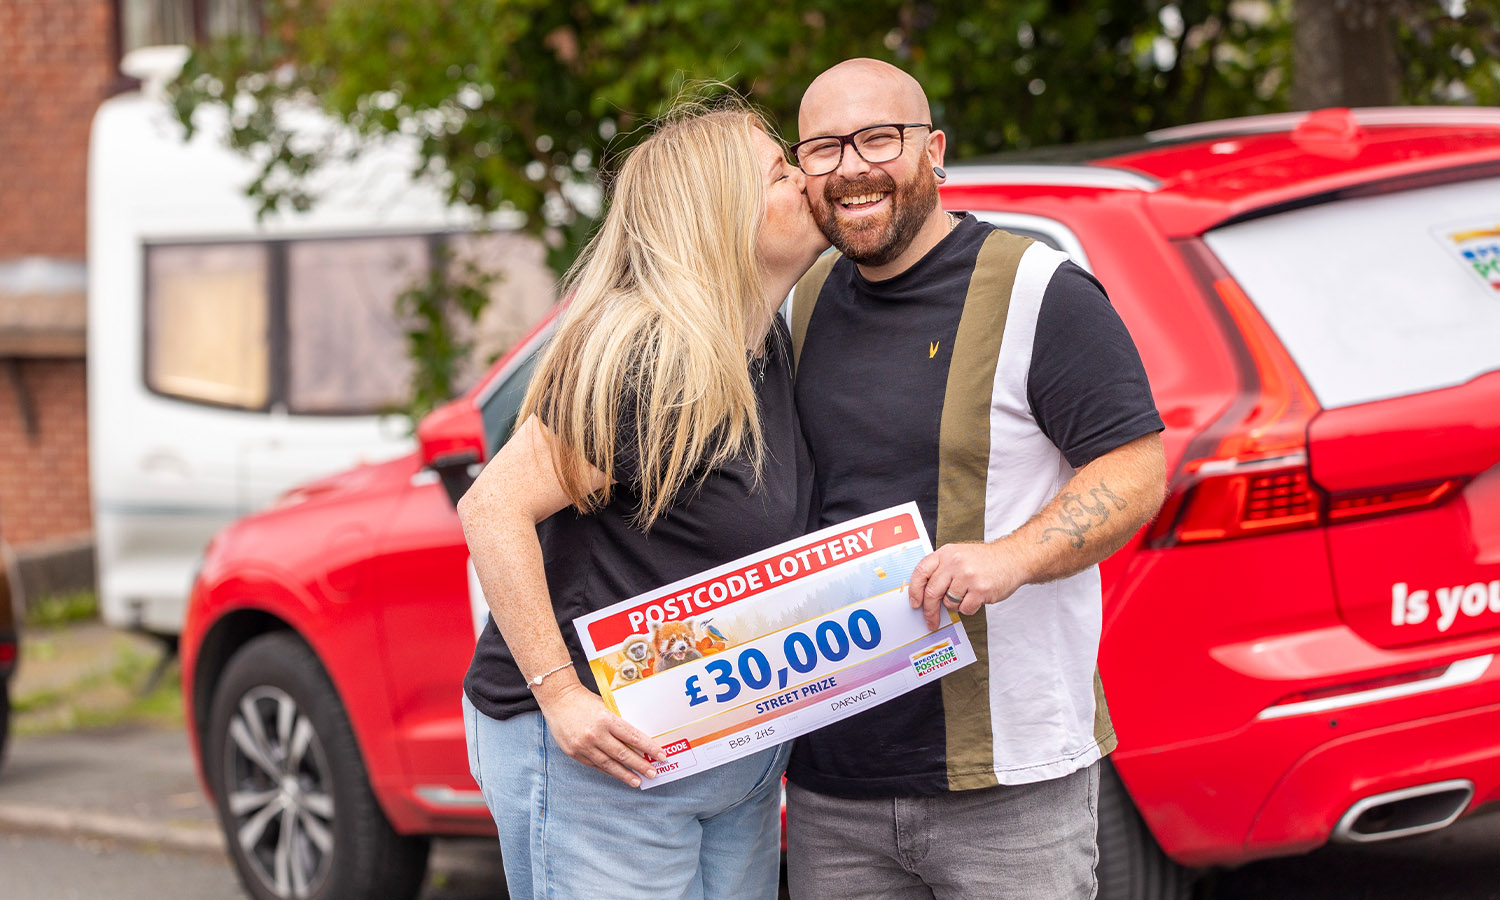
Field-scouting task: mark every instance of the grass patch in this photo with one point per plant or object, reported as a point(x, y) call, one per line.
point(131, 675)
point(97, 687)
point(61, 609)
point(37, 701)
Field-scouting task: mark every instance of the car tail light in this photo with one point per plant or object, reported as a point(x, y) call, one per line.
point(7, 653)
point(1353, 506)
point(1247, 474)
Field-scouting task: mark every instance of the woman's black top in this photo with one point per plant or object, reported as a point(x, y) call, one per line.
point(599, 559)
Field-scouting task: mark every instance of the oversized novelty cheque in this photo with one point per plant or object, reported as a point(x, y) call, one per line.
point(773, 645)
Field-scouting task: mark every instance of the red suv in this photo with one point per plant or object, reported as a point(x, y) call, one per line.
point(1300, 649)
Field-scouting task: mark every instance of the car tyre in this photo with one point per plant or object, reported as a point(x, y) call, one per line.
point(291, 788)
point(1132, 865)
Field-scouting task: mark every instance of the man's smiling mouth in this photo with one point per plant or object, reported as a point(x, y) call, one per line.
point(862, 201)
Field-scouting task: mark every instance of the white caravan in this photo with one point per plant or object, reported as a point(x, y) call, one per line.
point(230, 359)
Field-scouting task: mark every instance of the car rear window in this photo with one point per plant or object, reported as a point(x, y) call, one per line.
point(1378, 296)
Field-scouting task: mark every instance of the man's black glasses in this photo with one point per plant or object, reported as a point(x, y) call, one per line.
point(874, 144)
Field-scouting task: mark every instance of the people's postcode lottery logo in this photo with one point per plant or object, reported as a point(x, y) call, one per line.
point(1479, 249)
point(934, 659)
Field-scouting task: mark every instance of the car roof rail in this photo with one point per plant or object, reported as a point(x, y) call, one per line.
point(1374, 115)
point(1060, 176)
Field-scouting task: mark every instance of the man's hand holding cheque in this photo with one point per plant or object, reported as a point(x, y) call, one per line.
point(1093, 515)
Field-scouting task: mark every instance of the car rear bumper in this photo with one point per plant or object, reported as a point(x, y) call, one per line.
point(1306, 806)
point(1281, 785)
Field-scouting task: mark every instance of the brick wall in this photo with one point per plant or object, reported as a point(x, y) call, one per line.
point(56, 65)
point(43, 473)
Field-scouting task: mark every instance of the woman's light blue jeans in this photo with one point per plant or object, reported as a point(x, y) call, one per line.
point(570, 831)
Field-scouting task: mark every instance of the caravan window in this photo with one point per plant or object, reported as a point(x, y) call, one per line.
point(346, 347)
point(311, 325)
point(207, 324)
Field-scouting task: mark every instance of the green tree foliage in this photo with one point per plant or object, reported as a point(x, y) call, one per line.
point(511, 100)
point(1449, 51)
point(429, 308)
point(515, 103)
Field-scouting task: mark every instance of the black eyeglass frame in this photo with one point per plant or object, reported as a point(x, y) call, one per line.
point(847, 140)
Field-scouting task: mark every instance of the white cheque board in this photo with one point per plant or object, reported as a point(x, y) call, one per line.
point(757, 651)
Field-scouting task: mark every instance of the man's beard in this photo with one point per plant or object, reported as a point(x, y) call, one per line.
point(877, 241)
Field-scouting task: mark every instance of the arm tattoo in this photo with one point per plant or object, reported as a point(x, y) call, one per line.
point(1079, 514)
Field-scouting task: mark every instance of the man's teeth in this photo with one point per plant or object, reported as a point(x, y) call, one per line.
point(859, 199)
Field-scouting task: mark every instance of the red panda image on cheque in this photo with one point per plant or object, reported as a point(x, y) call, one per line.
point(674, 643)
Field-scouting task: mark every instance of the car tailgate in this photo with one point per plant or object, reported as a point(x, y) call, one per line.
point(1431, 572)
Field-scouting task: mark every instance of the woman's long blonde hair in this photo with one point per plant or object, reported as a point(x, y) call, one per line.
point(662, 304)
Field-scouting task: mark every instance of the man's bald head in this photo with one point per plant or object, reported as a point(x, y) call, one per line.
point(867, 89)
point(883, 215)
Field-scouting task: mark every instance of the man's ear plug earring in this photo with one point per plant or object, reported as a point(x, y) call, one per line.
point(938, 171)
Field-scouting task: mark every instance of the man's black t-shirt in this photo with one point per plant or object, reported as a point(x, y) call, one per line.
point(880, 441)
point(872, 384)
point(599, 559)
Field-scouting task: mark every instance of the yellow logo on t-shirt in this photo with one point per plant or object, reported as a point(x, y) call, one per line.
point(932, 349)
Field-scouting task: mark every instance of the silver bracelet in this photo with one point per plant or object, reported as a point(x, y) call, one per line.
point(533, 683)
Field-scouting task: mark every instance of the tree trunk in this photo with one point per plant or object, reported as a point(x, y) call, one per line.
point(1343, 54)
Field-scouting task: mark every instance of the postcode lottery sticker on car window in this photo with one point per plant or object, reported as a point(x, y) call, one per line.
point(773, 645)
point(1477, 248)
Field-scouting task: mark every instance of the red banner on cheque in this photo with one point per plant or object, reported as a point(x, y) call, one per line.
point(747, 581)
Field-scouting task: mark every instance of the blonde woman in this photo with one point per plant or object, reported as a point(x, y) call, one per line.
point(658, 438)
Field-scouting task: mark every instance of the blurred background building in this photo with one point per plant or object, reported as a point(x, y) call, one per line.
point(58, 60)
point(305, 342)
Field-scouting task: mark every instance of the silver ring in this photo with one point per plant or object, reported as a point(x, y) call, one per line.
point(958, 601)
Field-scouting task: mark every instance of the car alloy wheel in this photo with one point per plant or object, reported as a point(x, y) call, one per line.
point(291, 787)
point(280, 792)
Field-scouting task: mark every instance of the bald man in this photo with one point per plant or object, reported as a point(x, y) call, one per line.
point(986, 377)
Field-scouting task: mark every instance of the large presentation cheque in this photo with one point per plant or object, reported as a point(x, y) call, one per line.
point(775, 644)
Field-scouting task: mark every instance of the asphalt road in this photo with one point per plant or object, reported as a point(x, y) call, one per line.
point(118, 813)
point(57, 867)
point(1462, 864)
point(73, 808)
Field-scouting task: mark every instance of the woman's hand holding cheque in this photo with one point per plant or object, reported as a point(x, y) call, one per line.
point(586, 730)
